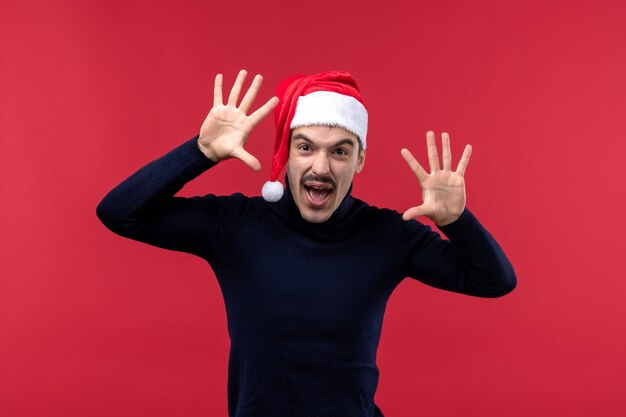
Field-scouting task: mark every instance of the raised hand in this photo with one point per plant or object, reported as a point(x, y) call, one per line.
point(226, 128)
point(443, 190)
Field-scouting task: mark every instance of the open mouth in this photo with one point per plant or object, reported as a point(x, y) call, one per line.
point(318, 194)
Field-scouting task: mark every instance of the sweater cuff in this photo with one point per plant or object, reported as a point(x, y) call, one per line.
point(189, 159)
point(465, 220)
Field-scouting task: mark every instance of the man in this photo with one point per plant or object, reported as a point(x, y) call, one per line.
point(306, 275)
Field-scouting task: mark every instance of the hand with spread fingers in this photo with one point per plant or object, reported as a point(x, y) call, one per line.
point(443, 190)
point(226, 128)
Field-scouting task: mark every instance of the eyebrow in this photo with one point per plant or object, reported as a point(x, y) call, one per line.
point(346, 141)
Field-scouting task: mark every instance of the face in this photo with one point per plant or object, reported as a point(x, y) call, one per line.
point(322, 162)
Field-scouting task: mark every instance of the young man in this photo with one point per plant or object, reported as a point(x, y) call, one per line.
point(306, 275)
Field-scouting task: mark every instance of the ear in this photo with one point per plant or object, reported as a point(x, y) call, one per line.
point(360, 161)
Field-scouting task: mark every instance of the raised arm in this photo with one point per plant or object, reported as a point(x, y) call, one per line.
point(471, 261)
point(143, 207)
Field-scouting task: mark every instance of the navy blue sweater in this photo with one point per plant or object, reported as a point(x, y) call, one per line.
point(304, 302)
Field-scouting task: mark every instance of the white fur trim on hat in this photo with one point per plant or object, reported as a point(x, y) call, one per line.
point(330, 108)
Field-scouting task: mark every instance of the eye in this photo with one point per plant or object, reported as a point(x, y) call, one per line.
point(341, 152)
point(304, 147)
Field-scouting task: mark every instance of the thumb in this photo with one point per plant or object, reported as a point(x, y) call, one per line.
point(414, 212)
point(247, 158)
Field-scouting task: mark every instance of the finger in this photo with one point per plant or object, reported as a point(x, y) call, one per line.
point(217, 90)
point(251, 94)
point(414, 165)
point(467, 152)
point(433, 157)
point(247, 158)
point(414, 212)
point(234, 93)
point(446, 157)
point(263, 111)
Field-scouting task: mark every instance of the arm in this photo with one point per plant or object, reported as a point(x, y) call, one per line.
point(471, 261)
point(144, 207)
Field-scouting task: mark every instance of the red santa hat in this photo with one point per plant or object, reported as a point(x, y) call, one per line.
point(329, 98)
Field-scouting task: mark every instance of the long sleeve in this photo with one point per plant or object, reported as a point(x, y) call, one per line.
point(143, 207)
point(470, 262)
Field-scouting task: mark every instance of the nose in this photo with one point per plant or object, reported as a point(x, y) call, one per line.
point(321, 164)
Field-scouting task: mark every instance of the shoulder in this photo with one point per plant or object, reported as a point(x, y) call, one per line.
point(236, 205)
point(364, 209)
point(385, 217)
point(390, 222)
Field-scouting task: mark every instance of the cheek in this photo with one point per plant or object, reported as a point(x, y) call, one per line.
point(291, 169)
point(344, 171)
point(294, 169)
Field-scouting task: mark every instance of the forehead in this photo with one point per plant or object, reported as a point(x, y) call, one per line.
point(323, 134)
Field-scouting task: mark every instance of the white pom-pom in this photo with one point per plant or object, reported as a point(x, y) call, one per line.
point(272, 191)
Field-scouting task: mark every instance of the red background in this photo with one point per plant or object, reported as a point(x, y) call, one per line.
point(92, 324)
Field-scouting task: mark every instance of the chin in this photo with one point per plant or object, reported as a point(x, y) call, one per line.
point(315, 217)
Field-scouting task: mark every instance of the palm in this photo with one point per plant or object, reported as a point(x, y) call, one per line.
point(440, 191)
point(443, 190)
point(228, 125)
point(226, 128)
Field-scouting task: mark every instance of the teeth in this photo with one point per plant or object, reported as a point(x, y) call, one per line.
point(318, 193)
